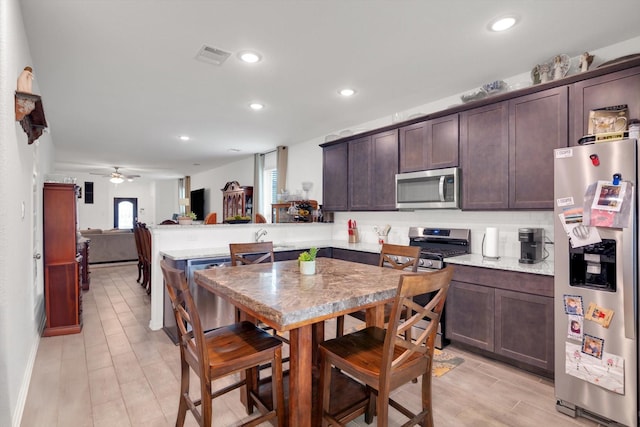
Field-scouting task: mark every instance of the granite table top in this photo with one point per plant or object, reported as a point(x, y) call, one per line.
point(284, 299)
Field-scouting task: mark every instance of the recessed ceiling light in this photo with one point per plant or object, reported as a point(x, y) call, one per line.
point(184, 138)
point(503, 23)
point(256, 106)
point(347, 92)
point(249, 57)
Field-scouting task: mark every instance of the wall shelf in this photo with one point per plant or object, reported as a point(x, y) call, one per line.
point(30, 114)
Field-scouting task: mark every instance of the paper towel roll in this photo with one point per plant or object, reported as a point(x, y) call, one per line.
point(491, 242)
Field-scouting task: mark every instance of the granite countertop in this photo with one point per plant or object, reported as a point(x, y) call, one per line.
point(474, 260)
point(503, 263)
point(285, 299)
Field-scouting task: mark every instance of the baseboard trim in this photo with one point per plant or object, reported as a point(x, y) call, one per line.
point(26, 381)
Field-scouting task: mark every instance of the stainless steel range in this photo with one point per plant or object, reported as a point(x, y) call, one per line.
point(438, 244)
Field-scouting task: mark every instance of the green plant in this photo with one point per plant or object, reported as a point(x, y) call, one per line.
point(192, 215)
point(308, 255)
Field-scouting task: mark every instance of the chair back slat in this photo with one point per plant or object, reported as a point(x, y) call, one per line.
point(409, 257)
point(251, 253)
point(398, 347)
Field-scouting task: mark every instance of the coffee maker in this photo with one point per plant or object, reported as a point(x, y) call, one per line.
point(531, 245)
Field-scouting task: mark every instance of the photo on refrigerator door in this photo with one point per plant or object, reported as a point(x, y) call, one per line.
point(592, 346)
point(609, 196)
point(573, 305)
point(575, 328)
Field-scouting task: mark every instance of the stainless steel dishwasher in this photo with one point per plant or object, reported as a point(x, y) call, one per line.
point(214, 311)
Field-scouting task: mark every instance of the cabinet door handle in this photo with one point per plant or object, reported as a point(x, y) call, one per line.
point(37, 256)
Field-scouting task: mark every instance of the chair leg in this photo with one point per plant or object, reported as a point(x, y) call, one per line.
point(324, 390)
point(426, 398)
point(382, 406)
point(206, 407)
point(251, 384)
point(139, 272)
point(148, 285)
point(184, 392)
point(277, 387)
point(370, 411)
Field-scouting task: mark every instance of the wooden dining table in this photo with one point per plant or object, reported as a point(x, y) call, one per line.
point(282, 298)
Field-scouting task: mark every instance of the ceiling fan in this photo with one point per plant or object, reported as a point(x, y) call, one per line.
point(116, 176)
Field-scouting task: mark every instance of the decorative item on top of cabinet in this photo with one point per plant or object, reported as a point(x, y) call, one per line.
point(237, 200)
point(618, 88)
point(63, 297)
point(29, 111)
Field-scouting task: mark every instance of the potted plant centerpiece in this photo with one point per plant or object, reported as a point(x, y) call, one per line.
point(187, 219)
point(307, 261)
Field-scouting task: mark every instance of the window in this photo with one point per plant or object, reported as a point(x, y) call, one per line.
point(270, 184)
point(125, 212)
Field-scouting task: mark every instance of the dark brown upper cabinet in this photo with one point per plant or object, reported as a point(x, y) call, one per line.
point(335, 169)
point(507, 151)
point(373, 164)
point(622, 87)
point(432, 144)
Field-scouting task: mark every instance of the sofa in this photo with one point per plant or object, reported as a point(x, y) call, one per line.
point(110, 245)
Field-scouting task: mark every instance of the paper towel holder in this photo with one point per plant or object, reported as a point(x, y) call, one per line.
point(487, 257)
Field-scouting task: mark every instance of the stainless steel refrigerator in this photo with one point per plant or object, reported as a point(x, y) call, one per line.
point(596, 277)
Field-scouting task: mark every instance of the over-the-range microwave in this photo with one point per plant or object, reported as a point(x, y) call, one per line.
point(431, 189)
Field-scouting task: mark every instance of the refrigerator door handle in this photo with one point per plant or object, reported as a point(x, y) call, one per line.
point(629, 309)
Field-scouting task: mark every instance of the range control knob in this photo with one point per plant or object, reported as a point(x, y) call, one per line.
point(426, 263)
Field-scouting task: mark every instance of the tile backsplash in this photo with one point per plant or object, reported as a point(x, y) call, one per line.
point(507, 222)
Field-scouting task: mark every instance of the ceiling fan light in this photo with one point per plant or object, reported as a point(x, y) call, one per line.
point(116, 180)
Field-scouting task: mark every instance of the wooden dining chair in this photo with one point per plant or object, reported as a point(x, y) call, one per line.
point(211, 218)
point(240, 347)
point(399, 257)
point(145, 241)
point(251, 253)
point(254, 253)
point(137, 235)
point(384, 359)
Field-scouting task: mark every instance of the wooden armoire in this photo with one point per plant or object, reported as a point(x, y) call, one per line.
point(236, 200)
point(62, 293)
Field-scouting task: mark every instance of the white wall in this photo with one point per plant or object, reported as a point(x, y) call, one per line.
point(166, 196)
point(99, 214)
point(213, 182)
point(21, 291)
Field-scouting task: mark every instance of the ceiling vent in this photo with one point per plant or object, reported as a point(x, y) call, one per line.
point(212, 55)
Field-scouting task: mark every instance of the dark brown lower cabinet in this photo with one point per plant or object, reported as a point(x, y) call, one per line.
point(505, 314)
point(356, 256)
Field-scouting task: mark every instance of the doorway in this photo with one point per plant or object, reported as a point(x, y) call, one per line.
point(125, 212)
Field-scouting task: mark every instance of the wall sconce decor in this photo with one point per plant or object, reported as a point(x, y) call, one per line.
point(29, 111)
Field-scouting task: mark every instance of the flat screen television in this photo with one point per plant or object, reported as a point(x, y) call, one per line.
point(197, 203)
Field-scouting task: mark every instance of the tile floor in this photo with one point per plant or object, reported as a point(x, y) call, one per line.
point(117, 372)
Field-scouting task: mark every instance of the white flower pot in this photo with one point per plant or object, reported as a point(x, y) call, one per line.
point(307, 267)
point(186, 221)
